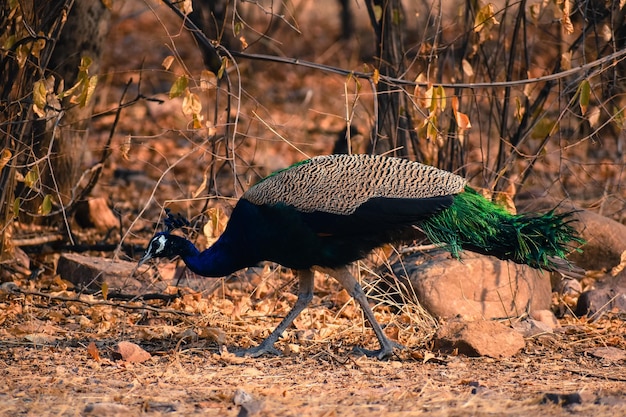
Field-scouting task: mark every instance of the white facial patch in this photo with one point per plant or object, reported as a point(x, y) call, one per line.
point(159, 241)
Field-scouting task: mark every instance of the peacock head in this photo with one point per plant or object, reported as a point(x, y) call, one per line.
point(164, 245)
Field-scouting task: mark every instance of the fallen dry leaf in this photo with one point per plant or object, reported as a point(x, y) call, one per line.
point(341, 297)
point(292, 348)
point(41, 338)
point(92, 350)
point(212, 333)
point(34, 327)
point(428, 356)
point(227, 357)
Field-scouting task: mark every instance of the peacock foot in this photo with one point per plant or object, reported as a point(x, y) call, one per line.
point(385, 351)
point(260, 350)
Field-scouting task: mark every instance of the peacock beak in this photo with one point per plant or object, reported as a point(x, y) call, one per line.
point(146, 257)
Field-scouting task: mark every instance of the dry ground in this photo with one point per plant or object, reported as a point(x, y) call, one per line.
point(63, 381)
point(48, 368)
point(45, 363)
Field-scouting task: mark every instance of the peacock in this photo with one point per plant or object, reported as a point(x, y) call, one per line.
point(323, 213)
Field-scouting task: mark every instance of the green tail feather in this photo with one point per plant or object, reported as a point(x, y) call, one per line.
point(475, 223)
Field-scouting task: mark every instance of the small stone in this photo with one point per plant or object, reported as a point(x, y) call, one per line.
point(609, 353)
point(131, 352)
point(570, 286)
point(612, 401)
point(530, 328)
point(562, 399)
point(106, 409)
point(241, 397)
point(249, 405)
point(546, 317)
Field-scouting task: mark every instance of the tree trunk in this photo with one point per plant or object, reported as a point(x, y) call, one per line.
point(395, 130)
point(83, 36)
point(44, 39)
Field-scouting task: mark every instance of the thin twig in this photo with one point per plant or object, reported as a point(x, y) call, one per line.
point(600, 376)
point(101, 303)
point(206, 43)
point(36, 240)
point(616, 57)
point(421, 248)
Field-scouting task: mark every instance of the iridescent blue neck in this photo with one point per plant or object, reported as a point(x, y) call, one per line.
point(217, 261)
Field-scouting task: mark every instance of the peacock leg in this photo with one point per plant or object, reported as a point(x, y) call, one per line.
point(305, 295)
point(347, 280)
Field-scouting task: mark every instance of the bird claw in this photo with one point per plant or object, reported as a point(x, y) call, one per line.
point(255, 352)
point(384, 352)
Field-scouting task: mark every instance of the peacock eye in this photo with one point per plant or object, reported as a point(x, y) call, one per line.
point(158, 245)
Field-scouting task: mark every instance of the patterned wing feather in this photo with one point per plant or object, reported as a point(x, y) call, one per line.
point(339, 184)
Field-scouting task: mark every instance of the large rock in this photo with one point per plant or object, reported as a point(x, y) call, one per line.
point(478, 338)
point(605, 241)
point(607, 294)
point(476, 286)
point(92, 272)
point(605, 238)
point(120, 276)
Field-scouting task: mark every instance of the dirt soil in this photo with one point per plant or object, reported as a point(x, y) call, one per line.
point(49, 367)
point(67, 354)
